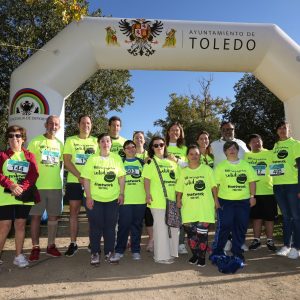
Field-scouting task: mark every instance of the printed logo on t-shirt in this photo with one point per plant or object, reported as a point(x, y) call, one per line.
point(172, 174)
point(282, 154)
point(199, 185)
point(110, 176)
point(241, 178)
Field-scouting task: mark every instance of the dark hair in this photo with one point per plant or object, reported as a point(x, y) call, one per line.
point(228, 144)
point(190, 147)
point(225, 123)
point(138, 131)
point(114, 118)
point(180, 142)
point(281, 123)
point(52, 117)
point(151, 151)
point(15, 128)
point(83, 116)
point(208, 149)
point(102, 135)
point(253, 136)
point(128, 142)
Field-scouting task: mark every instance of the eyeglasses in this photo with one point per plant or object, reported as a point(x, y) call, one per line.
point(159, 145)
point(16, 135)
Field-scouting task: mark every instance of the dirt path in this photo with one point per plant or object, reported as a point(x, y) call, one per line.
point(266, 276)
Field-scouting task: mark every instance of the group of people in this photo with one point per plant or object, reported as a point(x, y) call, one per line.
point(122, 185)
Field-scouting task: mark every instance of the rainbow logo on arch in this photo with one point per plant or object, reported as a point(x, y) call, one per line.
point(28, 102)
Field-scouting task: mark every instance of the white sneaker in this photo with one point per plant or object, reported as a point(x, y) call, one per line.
point(21, 261)
point(245, 247)
point(182, 249)
point(165, 261)
point(293, 254)
point(228, 246)
point(95, 259)
point(136, 256)
point(118, 255)
point(284, 251)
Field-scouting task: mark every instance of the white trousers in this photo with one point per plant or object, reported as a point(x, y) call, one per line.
point(164, 247)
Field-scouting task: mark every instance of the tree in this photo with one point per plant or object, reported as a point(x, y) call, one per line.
point(196, 112)
point(255, 110)
point(25, 26)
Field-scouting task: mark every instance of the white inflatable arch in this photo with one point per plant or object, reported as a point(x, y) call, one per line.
point(42, 83)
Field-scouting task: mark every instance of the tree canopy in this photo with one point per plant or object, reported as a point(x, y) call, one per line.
point(255, 110)
point(25, 26)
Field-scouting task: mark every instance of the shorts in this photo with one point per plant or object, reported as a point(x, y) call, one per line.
point(265, 208)
point(148, 217)
point(74, 191)
point(12, 212)
point(51, 201)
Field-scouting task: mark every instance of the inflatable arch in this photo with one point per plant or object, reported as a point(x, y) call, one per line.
point(42, 83)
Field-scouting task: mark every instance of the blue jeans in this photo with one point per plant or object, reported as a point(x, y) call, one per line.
point(287, 198)
point(102, 221)
point(131, 218)
point(233, 217)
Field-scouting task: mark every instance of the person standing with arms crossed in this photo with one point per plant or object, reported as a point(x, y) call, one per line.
point(48, 151)
point(77, 150)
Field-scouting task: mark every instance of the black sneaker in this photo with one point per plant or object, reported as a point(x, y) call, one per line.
point(72, 249)
point(271, 246)
point(201, 262)
point(255, 244)
point(193, 259)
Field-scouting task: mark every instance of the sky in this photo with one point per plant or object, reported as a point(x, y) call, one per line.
point(152, 88)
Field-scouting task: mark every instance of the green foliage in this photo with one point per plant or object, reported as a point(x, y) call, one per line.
point(256, 110)
point(196, 112)
point(26, 26)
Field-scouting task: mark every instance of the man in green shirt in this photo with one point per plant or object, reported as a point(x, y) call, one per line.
point(114, 128)
point(48, 151)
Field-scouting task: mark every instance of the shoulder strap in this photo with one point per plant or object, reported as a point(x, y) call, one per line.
point(161, 179)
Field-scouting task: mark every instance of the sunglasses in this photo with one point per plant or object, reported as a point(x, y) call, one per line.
point(16, 135)
point(158, 145)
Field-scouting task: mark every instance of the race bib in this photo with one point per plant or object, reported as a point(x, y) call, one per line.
point(132, 170)
point(17, 166)
point(260, 170)
point(276, 169)
point(80, 159)
point(50, 157)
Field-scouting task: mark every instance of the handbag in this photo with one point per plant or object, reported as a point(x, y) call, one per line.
point(173, 216)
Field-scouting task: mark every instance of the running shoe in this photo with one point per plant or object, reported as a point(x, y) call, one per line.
point(95, 259)
point(293, 254)
point(72, 249)
point(271, 246)
point(245, 247)
point(53, 251)
point(193, 259)
point(35, 254)
point(255, 244)
point(136, 256)
point(112, 258)
point(21, 261)
point(284, 251)
point(201, 262)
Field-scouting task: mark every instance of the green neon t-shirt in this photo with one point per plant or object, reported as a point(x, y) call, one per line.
point(48, 154)
point(16, 169)
point(134, 183)
point(283, 167)
point(207, 160)
point(178, 152)
point(260, 162)
point(234, 179)
point(169, 171)
point(142, 155)
point(103, 173)
point(197, 199)
point(117, 146)
point(81, 150)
